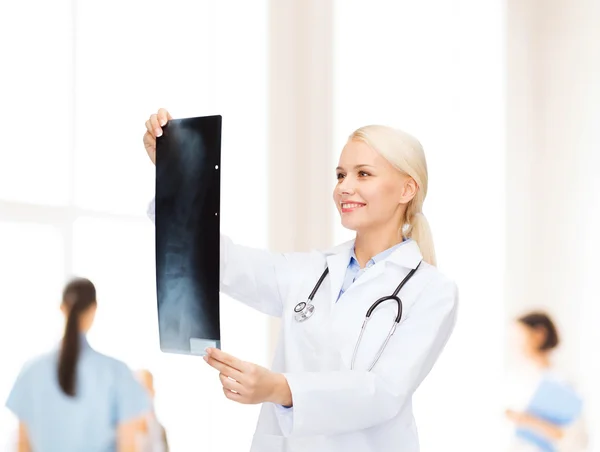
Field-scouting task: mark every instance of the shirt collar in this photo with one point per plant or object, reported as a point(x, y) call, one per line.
point(377, 258)
point(83, 341)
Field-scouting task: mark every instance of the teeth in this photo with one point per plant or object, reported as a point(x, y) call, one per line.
point(350, 206)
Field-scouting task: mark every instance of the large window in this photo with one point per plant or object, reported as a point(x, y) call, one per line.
point(75, 183)
point(434, 68)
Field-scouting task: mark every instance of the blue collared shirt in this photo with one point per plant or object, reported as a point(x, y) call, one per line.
point(353, 271)
point(107, 394)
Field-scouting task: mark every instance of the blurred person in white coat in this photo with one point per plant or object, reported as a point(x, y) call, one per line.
point(323, 393)
point(537, 337)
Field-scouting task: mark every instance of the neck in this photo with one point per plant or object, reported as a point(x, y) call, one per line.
point(369, 244)
point(541, 361)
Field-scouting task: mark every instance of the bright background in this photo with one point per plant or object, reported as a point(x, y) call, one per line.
point(502, 94)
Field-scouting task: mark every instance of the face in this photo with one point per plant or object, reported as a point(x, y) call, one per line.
point(528, 339)
point(370, 194)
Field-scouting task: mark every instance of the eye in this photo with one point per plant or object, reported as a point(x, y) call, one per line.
point(339, 176)
point(363, 174)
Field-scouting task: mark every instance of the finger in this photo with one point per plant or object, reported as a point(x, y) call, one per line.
point(149, 127)
point(224, 368)
point(155, 126)
point(233, 396)
point(149, 142)
point(231, 384)
point(226, 358)
point(163, 116)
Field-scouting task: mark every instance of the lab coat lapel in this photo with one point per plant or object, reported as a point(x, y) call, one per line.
point(368, 275)
point(408, 256)
point(338, 264)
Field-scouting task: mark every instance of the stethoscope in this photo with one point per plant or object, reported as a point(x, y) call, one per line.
point(305, 309)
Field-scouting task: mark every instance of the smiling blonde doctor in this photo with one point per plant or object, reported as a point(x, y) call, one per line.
point(323, 393)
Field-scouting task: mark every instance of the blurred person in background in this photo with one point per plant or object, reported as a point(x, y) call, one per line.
point(75, 399)
point(538, 339)
point(152, 436)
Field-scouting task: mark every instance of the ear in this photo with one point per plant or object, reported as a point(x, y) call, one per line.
point(63, 309)
point(409, 190)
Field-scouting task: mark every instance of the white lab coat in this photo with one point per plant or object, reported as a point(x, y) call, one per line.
point(336, 409)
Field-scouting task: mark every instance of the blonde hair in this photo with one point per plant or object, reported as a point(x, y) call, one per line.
point(406, 154)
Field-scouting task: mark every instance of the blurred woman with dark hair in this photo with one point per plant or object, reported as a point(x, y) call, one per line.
point(539, 338)
point(75, 399)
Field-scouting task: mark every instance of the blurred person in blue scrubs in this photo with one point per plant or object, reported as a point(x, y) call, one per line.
point(75, 399)
point(537, 339)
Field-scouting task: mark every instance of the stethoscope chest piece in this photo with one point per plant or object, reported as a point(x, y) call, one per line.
point(303, 310)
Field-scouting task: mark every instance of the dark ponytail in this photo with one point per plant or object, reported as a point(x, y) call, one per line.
point(78, 296)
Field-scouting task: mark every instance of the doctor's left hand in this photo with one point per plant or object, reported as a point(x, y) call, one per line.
point(248, 383)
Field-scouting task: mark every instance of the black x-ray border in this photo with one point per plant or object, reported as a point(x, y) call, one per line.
point(188, 195)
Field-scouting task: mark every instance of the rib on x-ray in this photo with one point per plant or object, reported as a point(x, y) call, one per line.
point(188, 158)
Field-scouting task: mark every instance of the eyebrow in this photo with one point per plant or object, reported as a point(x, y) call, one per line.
point(363, 165)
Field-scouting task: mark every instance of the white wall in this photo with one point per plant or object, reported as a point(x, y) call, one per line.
point(436, 69)
point(553, 203)
point(300, 127)
point(515, 215)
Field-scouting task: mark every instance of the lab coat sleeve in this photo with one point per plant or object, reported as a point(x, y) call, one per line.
point(257, 278)
point(329, 403)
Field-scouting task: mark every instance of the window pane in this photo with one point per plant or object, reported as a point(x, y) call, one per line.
point(123, 77)
point(32, 269)
point(37, 101)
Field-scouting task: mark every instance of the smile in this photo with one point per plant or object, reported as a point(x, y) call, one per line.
point(350, 206)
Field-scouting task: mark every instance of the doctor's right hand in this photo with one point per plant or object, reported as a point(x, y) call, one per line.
point(153, 130)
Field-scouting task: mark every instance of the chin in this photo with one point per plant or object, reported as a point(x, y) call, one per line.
point(347, 224)
point(351, 225)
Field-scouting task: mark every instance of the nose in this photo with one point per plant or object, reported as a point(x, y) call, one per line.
point(345, 187)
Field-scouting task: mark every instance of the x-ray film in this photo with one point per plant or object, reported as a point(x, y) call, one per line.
point(188, 192)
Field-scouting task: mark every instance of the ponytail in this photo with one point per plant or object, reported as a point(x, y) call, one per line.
point(78, 296)
point(69, 353)
point(419, 231)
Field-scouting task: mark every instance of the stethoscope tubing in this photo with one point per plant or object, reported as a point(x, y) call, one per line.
point(302, 308)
